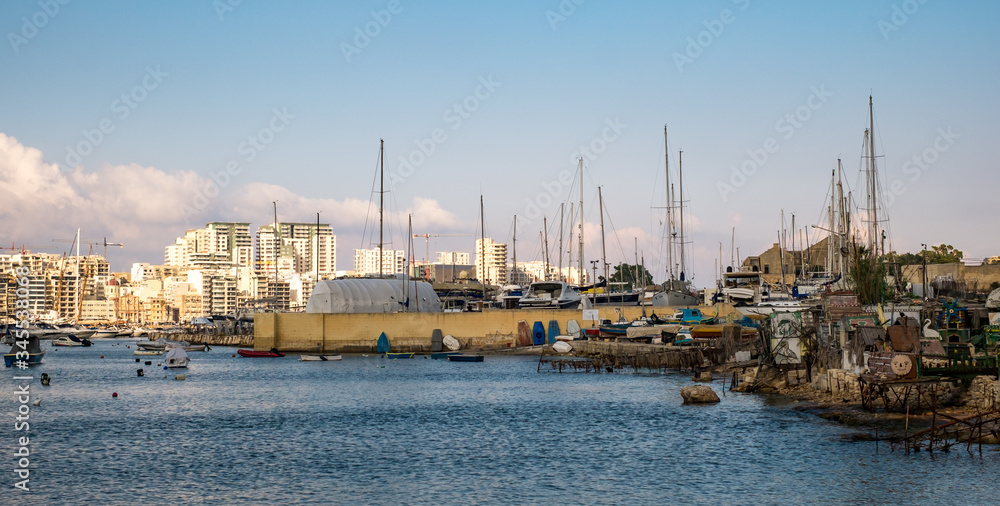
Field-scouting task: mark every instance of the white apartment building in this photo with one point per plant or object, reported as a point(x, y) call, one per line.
point(366, 261)
point(452, 258)
point(491, 261)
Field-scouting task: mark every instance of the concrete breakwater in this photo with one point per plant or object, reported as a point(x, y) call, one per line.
point(411, 332)
point(245, 340)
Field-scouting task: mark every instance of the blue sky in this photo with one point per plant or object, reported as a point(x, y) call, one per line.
point(560, 73)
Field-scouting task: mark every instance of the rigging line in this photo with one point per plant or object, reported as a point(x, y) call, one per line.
point(364, 231)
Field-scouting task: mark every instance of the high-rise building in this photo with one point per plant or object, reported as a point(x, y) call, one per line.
point(491, 261)
point(297, 252)
point(452, 257)
point(366, 261)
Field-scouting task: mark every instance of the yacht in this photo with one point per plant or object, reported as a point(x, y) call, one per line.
point(550, 295)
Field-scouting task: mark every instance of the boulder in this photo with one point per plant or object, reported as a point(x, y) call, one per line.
point(699, 394)
point(702, 377)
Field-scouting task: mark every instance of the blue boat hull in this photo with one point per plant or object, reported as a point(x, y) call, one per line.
point(538, 334)
point(33, 359)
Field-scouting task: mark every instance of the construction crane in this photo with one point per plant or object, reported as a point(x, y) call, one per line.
point(23, 249)
point(427, 242)
point(103, 242)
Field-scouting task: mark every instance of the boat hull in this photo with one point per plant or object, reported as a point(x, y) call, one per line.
point(259, 354)
point(320, 358)
point(674, 298)
point(465, 358)
point(33, 359)
point(398, 355)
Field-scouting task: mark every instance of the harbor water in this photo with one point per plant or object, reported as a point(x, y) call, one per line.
point(368, 430)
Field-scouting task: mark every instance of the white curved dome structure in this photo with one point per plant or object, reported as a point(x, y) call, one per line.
point(370, 295)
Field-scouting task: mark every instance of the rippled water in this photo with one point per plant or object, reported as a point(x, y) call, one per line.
point(420, 431)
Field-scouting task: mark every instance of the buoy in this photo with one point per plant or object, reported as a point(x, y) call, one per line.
point(114, 395)
point(180, 377)
point(45, 379)
point(137, 360)
point(139, 372)
point(234, 354)
point(102, 356)
point(149, 362)
point(37, 402)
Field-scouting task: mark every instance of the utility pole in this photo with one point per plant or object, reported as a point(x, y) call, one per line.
point(923, 270)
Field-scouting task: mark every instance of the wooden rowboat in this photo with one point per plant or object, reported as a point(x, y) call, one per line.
point(320, 358)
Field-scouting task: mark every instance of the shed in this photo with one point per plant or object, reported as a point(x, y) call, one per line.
point(373, 295)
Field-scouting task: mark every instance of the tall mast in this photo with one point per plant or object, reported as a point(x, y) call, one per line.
point(582, 268)
point(545, 239)
point(381, 194)
point(829, 242)
point(635, 279)
point(793, 247)
point(317, 251)
point(277, 242)
point(680, 182)
point(843, 229)
point(482, 245)
point(562, 218)
point(514, 275)
point(409, 259)
point(670, 208)
point(569, 252)
point(873, 191)
point(604, 253)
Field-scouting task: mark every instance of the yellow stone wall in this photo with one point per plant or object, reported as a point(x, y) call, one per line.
point(358, 333)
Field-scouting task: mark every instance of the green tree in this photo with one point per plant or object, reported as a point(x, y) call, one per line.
point(625, 273)
point(944, 254)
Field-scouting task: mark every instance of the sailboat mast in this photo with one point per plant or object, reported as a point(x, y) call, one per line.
point(604, 252)
point(409, 259)
point(545, 239)
point(482, 245)
point(873, 190)
point(277, 243)
point(381, 195)
point(670, 208)
point(569, 252)
point(582, 269)
point(513, 273)
point(829, 242)
point(562, 218)
point(680, 182)
point(635, 279)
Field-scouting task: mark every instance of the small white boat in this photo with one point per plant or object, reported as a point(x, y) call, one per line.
point(147, 352)
point(175, 358)
point(319, 358)
point(104, 333)
point(70, 341)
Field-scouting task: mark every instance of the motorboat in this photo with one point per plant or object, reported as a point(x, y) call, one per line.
point(550, 294)
point(510, 296)
point(176, 358)
point(104, 333)
point(76, 330)
point(31, 346)
point(320, 358)
point(71, 340)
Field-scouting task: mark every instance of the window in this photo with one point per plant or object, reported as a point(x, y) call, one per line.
point(767, 268)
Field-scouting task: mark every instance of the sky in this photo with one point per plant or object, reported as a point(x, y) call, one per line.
point(136, 121)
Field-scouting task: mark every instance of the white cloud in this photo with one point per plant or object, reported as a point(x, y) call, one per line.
point(144, 207)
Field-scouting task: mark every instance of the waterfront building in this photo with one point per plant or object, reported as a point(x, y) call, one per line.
point(366, 261)
point(491, 261)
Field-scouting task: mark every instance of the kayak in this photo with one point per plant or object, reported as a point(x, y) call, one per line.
point(255, 353)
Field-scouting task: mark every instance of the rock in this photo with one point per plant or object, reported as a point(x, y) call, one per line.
point(699, 394)
point(702, 377)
